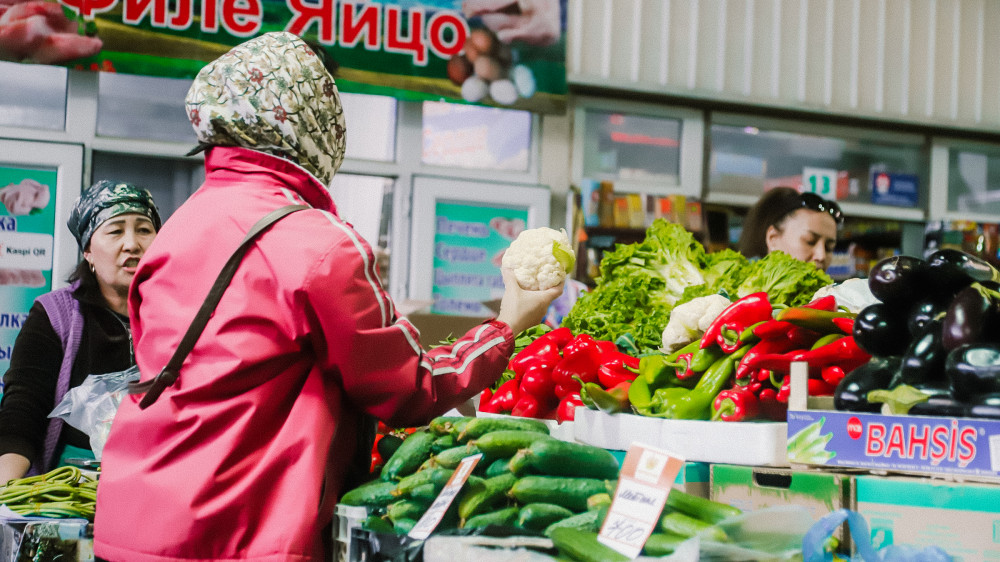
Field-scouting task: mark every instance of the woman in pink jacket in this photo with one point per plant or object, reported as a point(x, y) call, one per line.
point(245, 455)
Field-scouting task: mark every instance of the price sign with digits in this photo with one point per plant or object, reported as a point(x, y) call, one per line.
point(430, 519)
point(643, 484)
point(821, 181)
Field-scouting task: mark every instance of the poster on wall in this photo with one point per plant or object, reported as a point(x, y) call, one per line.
point(508, 54)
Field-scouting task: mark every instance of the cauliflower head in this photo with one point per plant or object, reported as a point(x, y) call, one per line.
point(689, 321)
point(540, 258)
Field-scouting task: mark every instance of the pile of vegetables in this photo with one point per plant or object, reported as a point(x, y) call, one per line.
point(738, 369)
point(934, 337)
point(640, 284)
point(527, 479)
point(62, 492)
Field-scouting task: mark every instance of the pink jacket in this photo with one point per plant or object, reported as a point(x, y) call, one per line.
point(244, 457)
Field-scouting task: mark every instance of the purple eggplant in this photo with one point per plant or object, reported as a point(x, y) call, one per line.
point(973, 369)
point(972, 317)
point(881, 330)
point(852, 391)
point(899, 280)
point(924, 311)
point(951, 270)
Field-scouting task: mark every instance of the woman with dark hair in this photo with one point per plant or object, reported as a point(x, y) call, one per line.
point(75, 331)
point(803, 225)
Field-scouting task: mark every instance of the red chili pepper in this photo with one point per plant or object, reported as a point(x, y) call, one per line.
point(803, 337)
point(606, 346)
point(828, 303)
point(617, 367)
point(843, 351)
point(735, 404)
point(770, 407)
point(567, 407)
point(505, 397)
point(818, 320)
point(537, 381)
point(527, 406)
point(833, 374)
point(845, 325)
point(583, 361)
point(784, 391)
point(772, 329)
point(763, 347)
point(486, 401)
point(738, 316)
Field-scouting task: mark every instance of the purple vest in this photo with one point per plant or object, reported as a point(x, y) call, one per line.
point(67, 322)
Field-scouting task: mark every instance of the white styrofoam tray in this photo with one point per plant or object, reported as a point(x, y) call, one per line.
point(747, 443)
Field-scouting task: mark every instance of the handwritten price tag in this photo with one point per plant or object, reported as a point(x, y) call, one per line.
point(643, 484)
point(430, 519)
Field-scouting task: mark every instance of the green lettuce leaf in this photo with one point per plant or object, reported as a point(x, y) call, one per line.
point(785, 279)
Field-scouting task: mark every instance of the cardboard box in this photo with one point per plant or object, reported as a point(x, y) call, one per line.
point(750, 443)
point(961, 518)
point(752, 488)
point(433, 327)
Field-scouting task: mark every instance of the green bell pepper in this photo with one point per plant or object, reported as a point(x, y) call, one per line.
point(696, 403)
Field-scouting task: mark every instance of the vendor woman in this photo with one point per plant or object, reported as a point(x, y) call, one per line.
point(803, 225)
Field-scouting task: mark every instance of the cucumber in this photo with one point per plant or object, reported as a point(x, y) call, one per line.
point(477, 427)
point(538, 516)
point(662, 544)
point(371, 494)
point(601, 499)
point(403, 526)
point(498, 467)
point(459, 426)
point(699, 507)
point(377, 524)
point(678, 523)
point(584, 546)
point(569, 492)
point(562, 458)
point(449, 458)
point(586, 521)
point(442, 425)
point(409, 456)
point(426, 493)
point(444, 442)
point(387, 446)
point(481, 498)
point(438, 476)
point(505, 516)
point(503, 443)
point(405, 509)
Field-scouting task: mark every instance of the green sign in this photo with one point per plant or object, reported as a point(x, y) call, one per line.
point(465, 51)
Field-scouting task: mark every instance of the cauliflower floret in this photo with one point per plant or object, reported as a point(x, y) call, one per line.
point(540, 258)
point(690, 320)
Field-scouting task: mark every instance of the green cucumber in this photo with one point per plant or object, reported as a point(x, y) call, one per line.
point(442, 425)
point(442, 443)
point(458, 427)
point(387, 446)
point(481, 498)
point(584, 546)
point(438, 476)
point(569, 492)
point(498, 467)
point(587, 521)
point(424, 493)
point(600, 499)
point(503, 443)
point(449, 458)
point(562, 458)
point(699, 507)
point(478, 427)
point(505, 516)
point(403, 526)
point(538, 516)
point(377, 524)
point(414, 450)
point(371, 494)
point(405, 509)
point(662, 544)
point(686, 526)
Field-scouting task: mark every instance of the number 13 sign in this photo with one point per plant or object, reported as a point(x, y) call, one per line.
point(643, 484)
point(821, 181)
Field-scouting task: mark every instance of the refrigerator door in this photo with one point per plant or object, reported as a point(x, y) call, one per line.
point(460, 229)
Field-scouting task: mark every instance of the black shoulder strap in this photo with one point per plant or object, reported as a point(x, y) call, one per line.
point(166, 377)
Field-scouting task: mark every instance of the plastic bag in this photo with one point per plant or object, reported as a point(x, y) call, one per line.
point(812, 544)
point(91, 407)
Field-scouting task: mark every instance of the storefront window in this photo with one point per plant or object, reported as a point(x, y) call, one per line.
point(32, 96)
point(974, 179)
point(628, 146)
point(371, 126)
point(143, 107)
point(469, 136)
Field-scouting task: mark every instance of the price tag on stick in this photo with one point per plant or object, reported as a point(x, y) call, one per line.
point(430, 519)
point(643, 484)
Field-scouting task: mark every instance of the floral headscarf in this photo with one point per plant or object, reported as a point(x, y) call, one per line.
point(104, 200)
point(272, 94)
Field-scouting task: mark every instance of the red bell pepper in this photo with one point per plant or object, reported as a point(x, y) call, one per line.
point(606, 346)
point(485, 401)
point(541, 351)
point(561, 336)
point(506, 397)
point(567, 407)
point(738, 316)
point(527, 406)
point(565, 389)
point(617, 367)
point(735, 404)
point(583, 359)
point(537, 381)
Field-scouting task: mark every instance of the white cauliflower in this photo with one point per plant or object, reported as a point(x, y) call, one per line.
point(690, 320)
point(540, 258)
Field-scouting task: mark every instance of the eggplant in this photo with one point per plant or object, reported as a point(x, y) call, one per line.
point(951, 270)
point(943, 405)
point(973, 369)
point(924, 311)
point(985, 406)
point(924, 359)
point(852, 391)
point(881, 330)
point(899, 280)
point(972, 317)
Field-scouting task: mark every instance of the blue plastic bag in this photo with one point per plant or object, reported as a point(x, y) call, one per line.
point(816, 536)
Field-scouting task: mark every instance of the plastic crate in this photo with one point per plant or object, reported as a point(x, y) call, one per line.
point(348, 517)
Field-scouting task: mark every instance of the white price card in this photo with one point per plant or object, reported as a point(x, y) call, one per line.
point(643, 484)
point(821, 181)
point(430, 519)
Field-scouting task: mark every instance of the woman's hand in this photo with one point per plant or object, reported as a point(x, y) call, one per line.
point(521, 309)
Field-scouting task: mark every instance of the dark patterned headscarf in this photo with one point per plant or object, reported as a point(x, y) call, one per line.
point(104, 200)
point(272, 94)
